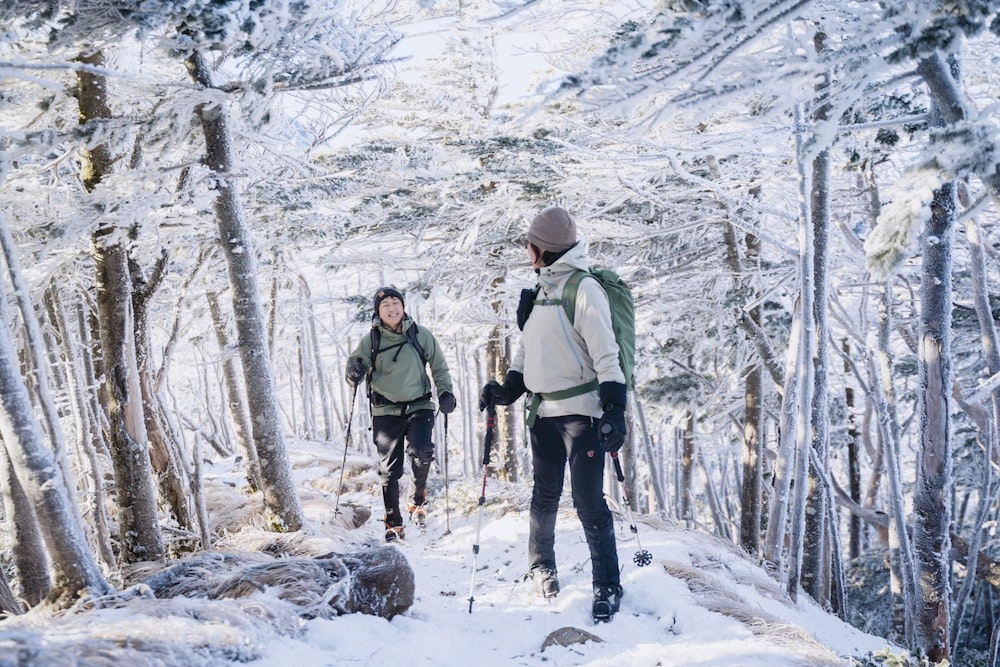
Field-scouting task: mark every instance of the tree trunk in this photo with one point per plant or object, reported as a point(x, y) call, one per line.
point(90, 430)
point(174, 488)
point(853, 461)
point(139, 531)
point(33, 464)
point(687, 469)
point(280, 496)
point(35, 344)
point(235, 394)
point(497, 361)
point(932, 495)
point(949, 103)
point(816, 550)
point(902, 582)
point(28, 549)
point(317, 362)
point(806, 375)
point(777, 517)
point(753, 394)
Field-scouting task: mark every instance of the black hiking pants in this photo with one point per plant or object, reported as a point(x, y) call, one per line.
point(554, 442)
point(390, 432)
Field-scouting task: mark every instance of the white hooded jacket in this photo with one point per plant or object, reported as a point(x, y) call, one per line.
point(554, 355)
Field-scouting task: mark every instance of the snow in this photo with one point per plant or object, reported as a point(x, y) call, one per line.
point(700, 602)
point(661, 620)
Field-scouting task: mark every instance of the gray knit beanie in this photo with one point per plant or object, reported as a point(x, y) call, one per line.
point(553, 229)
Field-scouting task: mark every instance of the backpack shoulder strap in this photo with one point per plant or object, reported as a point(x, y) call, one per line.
point(569, 292)
point(376, 340)
point(411, 335)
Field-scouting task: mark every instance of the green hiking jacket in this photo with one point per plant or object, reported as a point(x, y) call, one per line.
point(399, 376)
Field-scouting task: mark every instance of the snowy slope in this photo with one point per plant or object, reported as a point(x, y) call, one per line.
point(700, 602)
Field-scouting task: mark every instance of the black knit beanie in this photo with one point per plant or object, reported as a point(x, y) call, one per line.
point(383, 292)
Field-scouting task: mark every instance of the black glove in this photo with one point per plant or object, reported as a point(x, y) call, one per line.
point(502, 394)
point(356, 371)
point(525, 305)
point(447, 403)
point(612, 428)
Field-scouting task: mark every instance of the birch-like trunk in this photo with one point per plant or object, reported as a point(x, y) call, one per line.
point(816, 549)
point(932, 495)
point(90, 430)
point(325, 402)
point(991, 350)
point(139, 532)
point(27, 548)
point(655, 477)
point(173, 484)
point(75, 572)
point(752, 459)
point(853, 461)
point(497, 361)
point(777, 519)
point(902, 568)
point(280, 496)
point(35, 345)
point(235, 394)
point(806, 377)
point(688, 453)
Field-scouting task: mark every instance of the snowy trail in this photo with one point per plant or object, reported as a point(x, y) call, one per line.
point(661, 621)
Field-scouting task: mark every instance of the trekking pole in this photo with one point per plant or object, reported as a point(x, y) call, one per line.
point(347, 443)
point(642, 557)
point(447, 520)
point(491, 418)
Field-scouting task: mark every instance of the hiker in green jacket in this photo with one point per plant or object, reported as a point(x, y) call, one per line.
point(577, 405)
point(393, 355)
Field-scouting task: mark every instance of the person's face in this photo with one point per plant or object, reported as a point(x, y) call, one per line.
point(535, 255)
point(390, 311)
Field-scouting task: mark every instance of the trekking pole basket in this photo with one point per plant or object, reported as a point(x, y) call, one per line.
point(641, 557)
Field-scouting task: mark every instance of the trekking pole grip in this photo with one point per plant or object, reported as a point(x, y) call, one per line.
point(618, 466)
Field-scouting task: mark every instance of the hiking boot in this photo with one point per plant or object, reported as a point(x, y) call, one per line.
point(418, 514)
point(546, 582)
point(393, 533)
point(607, 600)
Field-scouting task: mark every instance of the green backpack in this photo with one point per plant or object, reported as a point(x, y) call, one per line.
point(622, 313)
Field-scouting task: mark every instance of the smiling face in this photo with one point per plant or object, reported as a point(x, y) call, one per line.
point(390, 311)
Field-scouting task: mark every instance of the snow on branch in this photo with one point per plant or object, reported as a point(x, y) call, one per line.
point(896, 236)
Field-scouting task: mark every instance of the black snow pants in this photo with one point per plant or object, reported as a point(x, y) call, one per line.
point(554, 442)
point(389, 433)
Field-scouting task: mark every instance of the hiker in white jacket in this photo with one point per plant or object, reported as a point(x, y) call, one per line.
point(577, 410)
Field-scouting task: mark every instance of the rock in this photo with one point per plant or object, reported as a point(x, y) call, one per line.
point(568, 636)
point(382, 582)
point(377, 581)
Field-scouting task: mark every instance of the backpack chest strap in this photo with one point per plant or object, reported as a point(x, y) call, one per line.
point(551, 302)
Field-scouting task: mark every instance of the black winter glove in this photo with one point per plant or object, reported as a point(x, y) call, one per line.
point(356, 371)
point(447, 403)
point(612, 428)
point(525, 305)
point(502, 394)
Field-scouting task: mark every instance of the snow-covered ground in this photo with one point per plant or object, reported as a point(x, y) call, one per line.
point(699, 603)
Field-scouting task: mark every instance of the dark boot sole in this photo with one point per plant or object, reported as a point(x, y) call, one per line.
point(602, 612)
